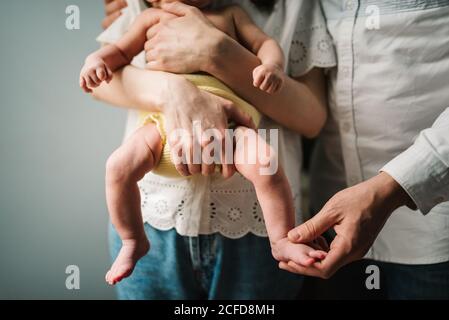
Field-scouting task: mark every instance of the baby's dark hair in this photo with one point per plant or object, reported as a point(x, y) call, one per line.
point(266, 5)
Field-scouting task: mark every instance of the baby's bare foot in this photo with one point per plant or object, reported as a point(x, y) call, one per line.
point(284, 250)
point(132, 250)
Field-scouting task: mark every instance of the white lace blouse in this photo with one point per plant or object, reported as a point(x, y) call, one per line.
point(206, 205)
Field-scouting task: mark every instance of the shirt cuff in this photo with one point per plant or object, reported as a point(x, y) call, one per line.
point(419, 171)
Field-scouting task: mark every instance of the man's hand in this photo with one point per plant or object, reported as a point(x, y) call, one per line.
point(167, 51)
point(113, 10)
point(357, 215)
point(184, 105)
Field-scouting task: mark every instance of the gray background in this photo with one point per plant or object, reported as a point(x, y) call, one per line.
point(54, 141)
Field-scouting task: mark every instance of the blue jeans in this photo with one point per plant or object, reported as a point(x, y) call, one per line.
point(415, 281)
point(397, 282)
point(205, 267)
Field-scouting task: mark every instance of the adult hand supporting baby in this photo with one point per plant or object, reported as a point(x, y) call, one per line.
point(192, 52)
point(186, 44)
point(357, 215)
point(185, 105)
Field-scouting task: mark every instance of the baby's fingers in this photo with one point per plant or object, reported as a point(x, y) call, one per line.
point(258, 78)
point(266, 84)
point(278, 85)
point(273, 88)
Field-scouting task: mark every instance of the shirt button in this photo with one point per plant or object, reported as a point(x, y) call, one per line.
point(349, 5)
point(346, 127)
point(345, 72)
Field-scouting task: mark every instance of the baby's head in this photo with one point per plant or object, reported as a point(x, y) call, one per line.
point(201, 4)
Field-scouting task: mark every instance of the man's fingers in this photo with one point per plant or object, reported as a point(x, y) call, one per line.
point(305, 271)
point(178, 157)
point(208, 165)
point(194, 168)
point(153, 30)
point(227, 156)
point(239, 117)
point(284, 266)
point(312, 229)
point(334, 260)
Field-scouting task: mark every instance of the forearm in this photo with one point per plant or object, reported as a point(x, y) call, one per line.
point(135, 88)
point(271, 53)
point(299, 105)
point(423, 169)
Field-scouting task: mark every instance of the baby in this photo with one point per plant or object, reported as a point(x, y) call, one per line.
point(146, 150)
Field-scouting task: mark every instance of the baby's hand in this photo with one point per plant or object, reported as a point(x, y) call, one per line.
point(94, 72)
point(304, 255)
point(268, 78)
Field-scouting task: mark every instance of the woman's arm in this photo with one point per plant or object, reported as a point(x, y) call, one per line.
point(301, 103)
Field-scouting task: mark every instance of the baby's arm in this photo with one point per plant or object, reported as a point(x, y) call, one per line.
point(100, 65)
point(269, 76)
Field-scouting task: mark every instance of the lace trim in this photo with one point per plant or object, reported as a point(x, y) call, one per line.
point(311, 47)
point(232, 213)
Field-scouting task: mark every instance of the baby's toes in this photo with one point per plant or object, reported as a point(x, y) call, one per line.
point(108, 277)
point(318, 254)
point(94, 77)
point(300, 257)
point(101, 74)
point(90, 83)
point(83, 85)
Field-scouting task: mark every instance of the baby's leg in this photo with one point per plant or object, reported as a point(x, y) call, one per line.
point(125, 167)
point(273, 191)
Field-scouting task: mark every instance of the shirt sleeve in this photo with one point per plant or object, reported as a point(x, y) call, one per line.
point(311, 45)
point(423, 169)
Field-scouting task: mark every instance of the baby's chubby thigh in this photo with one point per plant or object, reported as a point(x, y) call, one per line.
point(136, 156)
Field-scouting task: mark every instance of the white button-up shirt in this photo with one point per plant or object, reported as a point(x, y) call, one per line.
point(389, 102)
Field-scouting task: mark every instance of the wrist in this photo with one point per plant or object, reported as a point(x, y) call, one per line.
point(176, 90)
point(219, 48)
point(391, 192)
